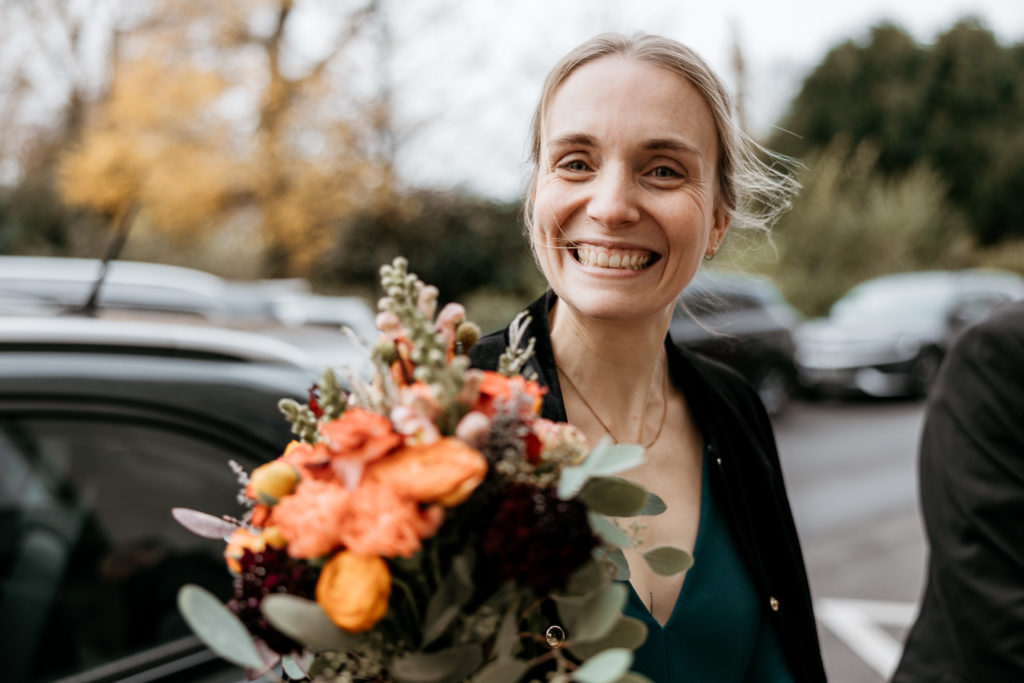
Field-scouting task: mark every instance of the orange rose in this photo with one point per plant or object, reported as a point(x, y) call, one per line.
point(309, 519)
point(496, 386)
point(379, 522)
point(242, 539)
point(357, 437)
point(353, 590)
point(446, 471)
point(313, 462)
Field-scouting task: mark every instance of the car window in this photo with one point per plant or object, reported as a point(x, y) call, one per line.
point(91, 559)
point(895, 299)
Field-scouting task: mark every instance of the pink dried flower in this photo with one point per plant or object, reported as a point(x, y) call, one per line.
point(473, 428)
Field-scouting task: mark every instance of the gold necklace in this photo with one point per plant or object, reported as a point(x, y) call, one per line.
point(664, 408)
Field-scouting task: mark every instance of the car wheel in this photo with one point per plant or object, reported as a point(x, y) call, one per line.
point(925, 370)
point(775, 387)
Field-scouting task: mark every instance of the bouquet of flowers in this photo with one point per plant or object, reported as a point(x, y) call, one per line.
point(428, 525)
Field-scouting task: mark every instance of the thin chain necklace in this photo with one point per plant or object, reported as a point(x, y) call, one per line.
point(664, 409)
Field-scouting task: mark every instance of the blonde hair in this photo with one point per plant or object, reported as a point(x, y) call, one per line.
point(755, 186)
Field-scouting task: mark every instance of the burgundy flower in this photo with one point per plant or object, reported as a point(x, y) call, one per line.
point(536, 538)
point(263, 573)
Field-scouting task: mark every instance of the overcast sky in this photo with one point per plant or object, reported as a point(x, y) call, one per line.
point(469, 72)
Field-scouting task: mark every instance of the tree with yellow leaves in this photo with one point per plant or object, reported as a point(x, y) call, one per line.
point(217, 119)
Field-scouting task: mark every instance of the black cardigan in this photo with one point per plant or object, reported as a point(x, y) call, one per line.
point(747, 478)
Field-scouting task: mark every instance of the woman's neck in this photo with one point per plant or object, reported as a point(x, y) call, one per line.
point(615, 369)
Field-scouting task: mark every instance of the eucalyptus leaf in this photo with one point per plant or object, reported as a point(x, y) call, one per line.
point(613, 496)
point(462, 571)
point(502, 670)
point(572, 480)
point(453, 664)
point(618, 559)
point(203, 524)
point(438, 620)
point(667, 560)
point(218, 627)
point(605, 458)
point(447, 601)
point(627, 632)
point(606, 667)
point(589, 578)
point(608, 458)
point(508, 633)
point(608, 531)
point(292, 669)
point(652, 506)
point(592, 617)
point(633, 677)
point(306, 622)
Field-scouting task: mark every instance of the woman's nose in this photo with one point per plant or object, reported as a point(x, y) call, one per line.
point(613, 199)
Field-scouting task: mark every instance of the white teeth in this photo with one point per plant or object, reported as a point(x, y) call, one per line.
point(604, 258)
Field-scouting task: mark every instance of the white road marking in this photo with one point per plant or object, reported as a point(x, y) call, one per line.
point(859, 624)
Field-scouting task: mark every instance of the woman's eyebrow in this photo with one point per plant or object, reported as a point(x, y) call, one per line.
point(652, 145)
point(672, 145)
point(573, 139)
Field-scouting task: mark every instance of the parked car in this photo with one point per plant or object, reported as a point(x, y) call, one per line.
point(285, 309)
point(744, 322)
point(106, 426)
point(887, 336)
point(52, 285)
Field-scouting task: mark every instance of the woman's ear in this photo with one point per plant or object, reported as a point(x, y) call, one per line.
point(719, 226)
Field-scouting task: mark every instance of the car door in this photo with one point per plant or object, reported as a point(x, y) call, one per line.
point(91, 559)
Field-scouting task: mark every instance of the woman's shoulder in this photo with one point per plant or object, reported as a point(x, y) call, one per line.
point(488, 349)
point(486, 353)
point(713, 376)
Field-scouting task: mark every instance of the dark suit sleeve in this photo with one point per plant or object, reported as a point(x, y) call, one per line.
point(972, 497)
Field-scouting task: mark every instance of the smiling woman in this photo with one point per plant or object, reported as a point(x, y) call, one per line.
point(639, 170)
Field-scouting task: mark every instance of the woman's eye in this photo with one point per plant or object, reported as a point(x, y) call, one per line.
point(665, 172)
point(576, 165)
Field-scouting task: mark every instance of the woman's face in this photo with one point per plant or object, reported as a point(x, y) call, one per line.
point(624, 201)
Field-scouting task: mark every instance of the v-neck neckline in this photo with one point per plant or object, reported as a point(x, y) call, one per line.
point(705, 501)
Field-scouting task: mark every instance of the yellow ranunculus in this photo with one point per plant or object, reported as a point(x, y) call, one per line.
point(275, 479)
point(354, 589)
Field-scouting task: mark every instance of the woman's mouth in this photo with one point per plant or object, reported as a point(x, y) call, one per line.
point(618, 259)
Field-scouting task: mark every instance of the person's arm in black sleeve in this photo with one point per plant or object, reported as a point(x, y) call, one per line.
point(972, 496)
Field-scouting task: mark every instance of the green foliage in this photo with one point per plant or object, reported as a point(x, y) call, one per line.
point(852, 222)
point(667, 560)
point(306, 622)
point(459, 244)
point(216, 626)
point(34, 221)
point(613, 496)
point(956, 105)
point(606, 458)
point(606, 667)
point(591, 617)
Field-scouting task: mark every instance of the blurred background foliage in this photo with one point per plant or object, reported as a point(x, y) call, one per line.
point(195, 135)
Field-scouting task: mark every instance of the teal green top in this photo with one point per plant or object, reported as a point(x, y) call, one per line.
point(718, 630)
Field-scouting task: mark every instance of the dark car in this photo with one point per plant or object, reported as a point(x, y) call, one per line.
point(102, 433)
point(744, 322)
point(887, 336)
